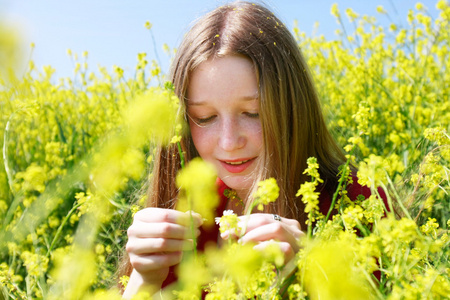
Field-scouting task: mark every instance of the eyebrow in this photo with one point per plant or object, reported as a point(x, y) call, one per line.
point(200, 103)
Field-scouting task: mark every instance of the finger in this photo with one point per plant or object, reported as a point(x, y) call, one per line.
point(141, 229)
point(145, 263)
point(230, 234)
point(291, 222)
point(157, 215)
point(256, 220)
point(285, 248)
point(273, 231)
point(156, 245)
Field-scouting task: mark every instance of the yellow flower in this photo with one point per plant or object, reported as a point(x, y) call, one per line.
point(192, 275)
point(229, 222)
point(224, 289)
point(430, 227)
point(308, 191)
point(267, 192)
point(420, 6)
point(152, 116)
point(309, 196)
point(373, 208)
point(239, 261)
point(381, 10)
point(148, 25)
point(36, 264)
point(441, 4)
point(438, 135)
point(313, 169)
point(371, 172)
point(352, 216)
point(335, 10)
point(198, 191)
point(333, 276)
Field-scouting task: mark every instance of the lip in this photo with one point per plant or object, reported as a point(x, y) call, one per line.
point(237, 168)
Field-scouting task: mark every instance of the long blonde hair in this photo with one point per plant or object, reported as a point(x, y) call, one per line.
point(290, 113)
point(292, 122)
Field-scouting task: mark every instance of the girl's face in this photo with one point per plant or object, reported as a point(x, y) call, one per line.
point(223, 109)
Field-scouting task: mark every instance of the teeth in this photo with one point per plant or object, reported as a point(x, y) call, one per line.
point(237, 162)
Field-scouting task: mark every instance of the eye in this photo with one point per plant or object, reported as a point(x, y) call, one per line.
point(252, 115)
point(204, 121)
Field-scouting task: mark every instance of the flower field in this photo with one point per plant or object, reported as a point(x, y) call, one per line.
point(76, 156)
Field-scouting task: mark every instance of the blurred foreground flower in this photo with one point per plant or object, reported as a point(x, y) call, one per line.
point(198, 190)
point(329, 272)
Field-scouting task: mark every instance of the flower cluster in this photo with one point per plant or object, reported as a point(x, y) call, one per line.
point(308, 191)
point(229, 222)
point(267, 192)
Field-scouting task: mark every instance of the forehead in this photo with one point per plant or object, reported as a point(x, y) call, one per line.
point(224, 77)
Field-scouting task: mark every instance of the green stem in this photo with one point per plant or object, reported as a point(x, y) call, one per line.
point(194, 238)
point(180, 152)
point(5, 155)
point(389, 200)
point(400, 203)
point(309, 231)
point(341, 181)
point(58, 232)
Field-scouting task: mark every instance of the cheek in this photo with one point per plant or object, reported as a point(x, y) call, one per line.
point(255, 134)
point(201, 139)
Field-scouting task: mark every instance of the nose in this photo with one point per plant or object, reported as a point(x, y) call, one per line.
point(231, 135)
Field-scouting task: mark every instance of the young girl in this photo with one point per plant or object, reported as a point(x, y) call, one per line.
point(253, 113)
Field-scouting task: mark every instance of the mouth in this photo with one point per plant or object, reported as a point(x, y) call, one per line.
point(237, 165)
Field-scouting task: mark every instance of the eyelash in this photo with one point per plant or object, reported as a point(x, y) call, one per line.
point(253, 115)
point(203, 121)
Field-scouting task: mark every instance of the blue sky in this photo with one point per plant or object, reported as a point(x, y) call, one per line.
point(113, 32)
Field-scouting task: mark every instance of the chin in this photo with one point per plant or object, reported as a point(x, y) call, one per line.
point(238, 183)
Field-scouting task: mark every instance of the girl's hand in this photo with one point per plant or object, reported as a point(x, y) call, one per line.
point(156, 241)
point(263, 229)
